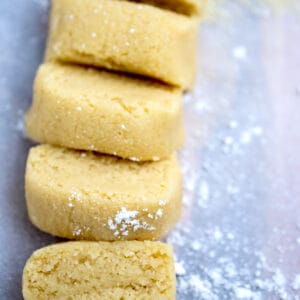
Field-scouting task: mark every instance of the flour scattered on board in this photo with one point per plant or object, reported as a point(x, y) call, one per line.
point(240, 52)
point(244, 293)
point(20, 127)
point(179, 269)
point(296, 282)
point(204, 193)
point(218, 255)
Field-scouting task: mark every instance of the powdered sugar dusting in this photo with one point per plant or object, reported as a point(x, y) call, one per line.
point(162, 202)
point(132, 158)
point(76, 231)
point(159, 213)
point(128, 220)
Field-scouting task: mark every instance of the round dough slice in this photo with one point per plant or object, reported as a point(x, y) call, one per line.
point(125, 36)
point(87, 196)
point(101, 270)
point(86, 109)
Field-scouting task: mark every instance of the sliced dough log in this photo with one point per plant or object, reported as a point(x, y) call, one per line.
point(87, 109)
point(125, 36)
point(101, 270)
point(81, 195)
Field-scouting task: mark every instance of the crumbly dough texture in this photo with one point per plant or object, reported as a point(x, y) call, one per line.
point(186, 7)
point(86, 109)
point(125, 36)
point(86, 196)
point(101, 270)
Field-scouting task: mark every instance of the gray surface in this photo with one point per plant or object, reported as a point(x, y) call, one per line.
point(22, 31)
point(239, 237)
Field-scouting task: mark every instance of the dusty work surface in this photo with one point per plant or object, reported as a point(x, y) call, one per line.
point(239, 237)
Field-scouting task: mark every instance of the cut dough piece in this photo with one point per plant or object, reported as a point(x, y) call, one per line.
point(101, 270)
point(186, 7)
point(81, 195)
point(125, 36)
point(87, 109)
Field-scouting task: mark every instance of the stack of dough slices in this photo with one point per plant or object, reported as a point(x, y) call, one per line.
point(107, 110)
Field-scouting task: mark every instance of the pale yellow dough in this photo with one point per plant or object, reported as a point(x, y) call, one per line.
point(101, 270)
point(81, 195)
point(186, 7)
point(125, 36)
point(95, 110)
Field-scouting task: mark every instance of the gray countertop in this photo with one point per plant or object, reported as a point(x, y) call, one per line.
point(239, 236)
